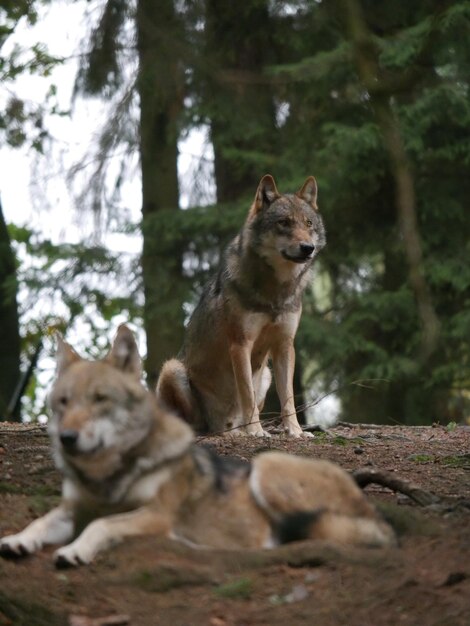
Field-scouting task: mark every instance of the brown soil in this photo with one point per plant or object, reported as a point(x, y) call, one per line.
point(143, 582)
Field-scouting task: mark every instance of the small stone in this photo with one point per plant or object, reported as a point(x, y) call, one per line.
point(298, 593)
point(312, 577)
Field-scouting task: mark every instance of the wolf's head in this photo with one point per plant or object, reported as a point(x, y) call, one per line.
point(100, 409)
point(286, 226)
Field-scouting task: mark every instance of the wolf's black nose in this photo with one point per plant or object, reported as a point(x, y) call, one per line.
point(306, 249)
point(68, 438)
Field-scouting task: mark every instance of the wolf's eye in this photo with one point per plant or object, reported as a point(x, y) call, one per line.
point(309, 223)
point(62, 401)
point(285, 222)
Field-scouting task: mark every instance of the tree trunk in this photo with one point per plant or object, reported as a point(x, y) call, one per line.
point(367, 65)
point(242, 113)
point(9, 326)
point(161, 100)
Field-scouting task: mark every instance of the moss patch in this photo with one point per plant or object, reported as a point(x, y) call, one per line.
point(241, 588)
point(458, 460)
point(165, 578)
point(422, 458)
point(25, 613)
point(34, 490)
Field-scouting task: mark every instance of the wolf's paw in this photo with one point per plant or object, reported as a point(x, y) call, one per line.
point(262, 433)
point(238, 431)
point(72, 556)
point(297, 433)
point(255, 430)
point(16, 546)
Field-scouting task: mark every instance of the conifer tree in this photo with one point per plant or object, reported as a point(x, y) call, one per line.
point(368, 339)
point(159, 83)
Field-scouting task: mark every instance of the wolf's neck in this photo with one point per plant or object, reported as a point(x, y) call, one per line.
point(273, 276)
point(259, 289)
point(286, 272)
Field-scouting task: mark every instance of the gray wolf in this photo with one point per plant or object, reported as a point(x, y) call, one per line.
point(248, 313)
point(132, 468)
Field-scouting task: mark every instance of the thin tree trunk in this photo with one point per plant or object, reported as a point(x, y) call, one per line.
point(243, 119)
point(161, 99)
point(367, 65)
point(9, 325)
point(406, 206)
point(242, 114)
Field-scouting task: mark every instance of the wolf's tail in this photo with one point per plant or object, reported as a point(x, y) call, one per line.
point(174, 391)
point(336, 527)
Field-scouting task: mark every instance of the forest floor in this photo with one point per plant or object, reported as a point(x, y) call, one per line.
point(145, 582)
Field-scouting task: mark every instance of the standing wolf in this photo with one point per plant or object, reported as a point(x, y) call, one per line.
point(249, 312)
point(131, 468)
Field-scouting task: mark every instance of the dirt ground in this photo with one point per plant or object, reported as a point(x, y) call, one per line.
point(426, 581)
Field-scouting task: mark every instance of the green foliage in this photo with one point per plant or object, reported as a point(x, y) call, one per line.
point(36, 60)
point(21, 121)
point(101, 72)
point(202, 232)
point(69, 285)
point(12, 11)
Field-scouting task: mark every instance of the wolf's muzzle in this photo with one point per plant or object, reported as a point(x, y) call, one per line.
point(306, 249)
point(69, 438)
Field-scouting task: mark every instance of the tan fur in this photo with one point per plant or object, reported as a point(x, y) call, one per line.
point(248, 314)
point(132, 468)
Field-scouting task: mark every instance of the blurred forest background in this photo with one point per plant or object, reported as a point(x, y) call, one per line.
point(372, 98)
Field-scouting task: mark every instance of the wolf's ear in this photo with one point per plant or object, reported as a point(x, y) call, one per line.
point(308, 192)
point(124, 354)
point(65, 354)
point(265, 194)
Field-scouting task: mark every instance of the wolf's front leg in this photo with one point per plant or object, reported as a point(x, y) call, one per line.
point(54, 528)
point(283, 356)
point(240, 355)
point(106, 531)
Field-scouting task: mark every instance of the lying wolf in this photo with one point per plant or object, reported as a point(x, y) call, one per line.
point(131, 468)
point(249, 312)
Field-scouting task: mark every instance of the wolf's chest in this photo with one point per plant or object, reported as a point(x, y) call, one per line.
point(262, 330)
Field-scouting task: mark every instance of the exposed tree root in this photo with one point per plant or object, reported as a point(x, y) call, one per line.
point(366, 476)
